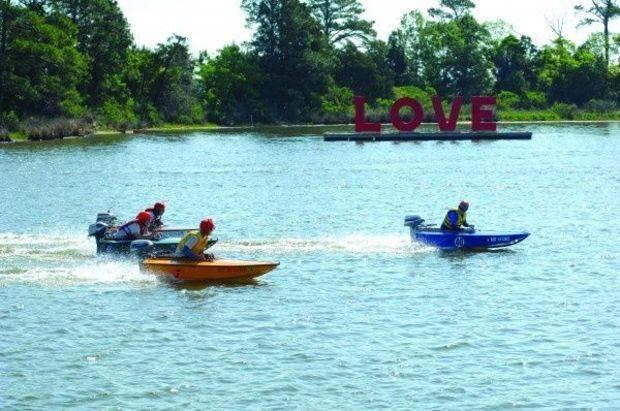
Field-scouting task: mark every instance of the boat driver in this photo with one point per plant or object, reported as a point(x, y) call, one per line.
point(156, 212)
point(193, 245)
point(455, 219)
point(134, 229)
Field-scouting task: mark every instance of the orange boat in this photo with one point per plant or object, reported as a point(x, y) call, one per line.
point(216, 270)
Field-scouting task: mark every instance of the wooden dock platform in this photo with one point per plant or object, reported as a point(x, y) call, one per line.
point(438, 136)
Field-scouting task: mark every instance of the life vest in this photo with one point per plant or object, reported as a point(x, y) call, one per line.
point(125, 228)
point(461, 218)
point(198, 248)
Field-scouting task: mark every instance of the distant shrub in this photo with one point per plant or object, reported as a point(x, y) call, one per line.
point(565, 111)
point(119, 116)
point(528, 115)
point(534, 100)
point(507, 99)
point(422, 95)
point(49, 129)
point(600, 106)
point(4, 135)
point(337, 100)
point(9, 121)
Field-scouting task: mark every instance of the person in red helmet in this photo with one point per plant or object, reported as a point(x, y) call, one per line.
point(156, 212)
point(134, 229)
point(457, 218)
point(193, 245)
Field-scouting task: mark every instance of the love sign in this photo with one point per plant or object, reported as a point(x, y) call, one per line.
point(481, 114)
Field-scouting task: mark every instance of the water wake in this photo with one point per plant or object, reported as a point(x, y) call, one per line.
point(351, 244)
point(58, 259)
point(61, 259)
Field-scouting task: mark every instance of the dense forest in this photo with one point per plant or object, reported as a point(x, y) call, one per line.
point(69, 65)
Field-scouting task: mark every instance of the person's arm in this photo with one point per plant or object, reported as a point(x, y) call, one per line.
point(454, 219)
point(466, 224)
point(188, 253)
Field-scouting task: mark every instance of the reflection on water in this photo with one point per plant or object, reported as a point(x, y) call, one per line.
point(198, 286)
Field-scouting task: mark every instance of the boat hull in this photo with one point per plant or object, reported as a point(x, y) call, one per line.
point(166, 245)
point(477, 240)
point(202, 271)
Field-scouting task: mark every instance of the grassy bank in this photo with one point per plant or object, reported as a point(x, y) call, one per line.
point(503, 117)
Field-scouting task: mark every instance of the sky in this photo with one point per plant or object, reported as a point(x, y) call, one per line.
point(211, 24)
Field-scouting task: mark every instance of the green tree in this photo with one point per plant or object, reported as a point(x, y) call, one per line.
point(139, 76)
point(293, 54)
point(340, 20)
point(451, 9)
point(103, 36)
point(231, 82)
point(39, 67)
point(465, 66)
point(417, 41)
point(602, 12)
point(513, 64)
point(7, 13)
point(570, 75)
point(365, 73)
point(172, 85)
point(397, 59)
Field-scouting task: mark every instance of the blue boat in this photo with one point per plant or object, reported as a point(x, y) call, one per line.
point(461, 240)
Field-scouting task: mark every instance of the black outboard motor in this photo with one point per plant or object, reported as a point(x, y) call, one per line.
point(414, 221)
point(98, 231)
point(101, 226)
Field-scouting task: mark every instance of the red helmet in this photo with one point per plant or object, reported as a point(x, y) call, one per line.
point(159, 208)
point(464, 206)
point(143, 218)
point(207, 225)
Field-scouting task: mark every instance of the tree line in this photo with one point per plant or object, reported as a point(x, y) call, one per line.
point(305, 62)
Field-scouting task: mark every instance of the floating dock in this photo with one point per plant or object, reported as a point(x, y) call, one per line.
point(438, 136)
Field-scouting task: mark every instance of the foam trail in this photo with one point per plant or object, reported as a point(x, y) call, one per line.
point(351, 244)
point(61, 259)
point(99, 272)
point(66, 259)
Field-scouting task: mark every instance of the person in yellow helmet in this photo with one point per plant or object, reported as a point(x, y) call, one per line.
point(194, 243)
point(455, 219)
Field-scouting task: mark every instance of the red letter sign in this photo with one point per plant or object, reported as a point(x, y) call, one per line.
point(418, 114)
point(482, 119)
point(449, 125)
point(361, 126)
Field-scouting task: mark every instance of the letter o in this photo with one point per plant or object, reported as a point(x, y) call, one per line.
point(418, 114)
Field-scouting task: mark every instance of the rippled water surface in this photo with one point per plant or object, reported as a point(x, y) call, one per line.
point(356, 317)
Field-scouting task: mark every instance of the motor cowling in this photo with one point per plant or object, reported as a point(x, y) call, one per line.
point(413, 221)
point(98, 229)
point(106, 218)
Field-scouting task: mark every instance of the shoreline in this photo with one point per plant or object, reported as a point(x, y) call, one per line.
point(212, 127)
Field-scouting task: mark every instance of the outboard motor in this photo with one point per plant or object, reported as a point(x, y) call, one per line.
point(97, 230)
point(414, 221)
point(141, 247)
point(107, 218)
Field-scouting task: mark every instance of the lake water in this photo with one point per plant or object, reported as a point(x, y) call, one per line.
point(356, 317)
